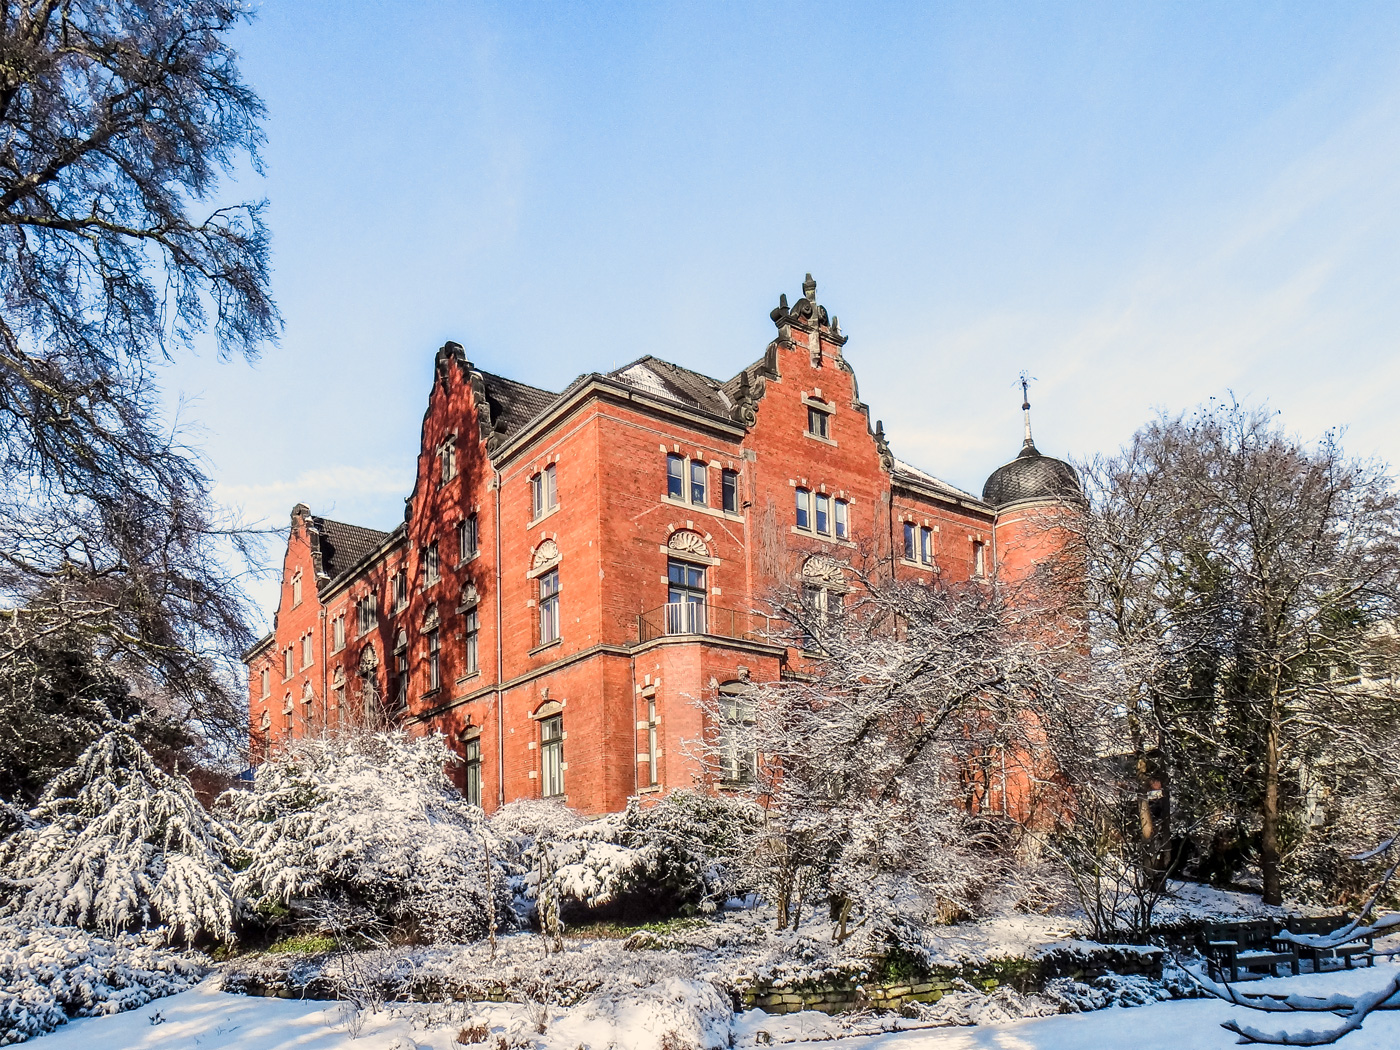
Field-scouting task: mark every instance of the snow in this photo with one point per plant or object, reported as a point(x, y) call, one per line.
point(213, 1020)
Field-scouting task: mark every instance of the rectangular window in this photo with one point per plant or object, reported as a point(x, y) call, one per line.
point(685, 598)
point(738, 757)
point(398, 685)
point(434, 661)
point(818, 422)
point(448, 456)
point(472, 760)
point(979, 558)
point(843, 520)
point(471, 622)
point(287, 662)
point(430, 564)
point(467, 539)
point(823, 513)
point(400, 589)
point(549, 607)
point(544, 496)
point(552, 756)
point(675, 476)
point(652, 776)
point(266, 683)
point(926, 545)
point(804, 509)
point(338, 632)
point(729, 490)
point(306, 650)
point(699, 476)
point(910, 550)
point(366, 614)
point(296, 590)
point(338, 691)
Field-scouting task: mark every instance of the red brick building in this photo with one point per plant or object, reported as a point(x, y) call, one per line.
point(576, 569)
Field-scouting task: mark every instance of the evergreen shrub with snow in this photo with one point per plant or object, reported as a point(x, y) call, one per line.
point(367, 831)
point(49, 974)
point(115, 844)
point(674, 857)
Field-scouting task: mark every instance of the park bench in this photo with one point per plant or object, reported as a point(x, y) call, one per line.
point(1225, 960)
point(1318, 945)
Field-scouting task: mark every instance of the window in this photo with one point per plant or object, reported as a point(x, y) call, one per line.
point(287, 713)
point(926, 545)
point(699, 475)
point(818, 422)
point(430, 564)
point(823, 513)
point(338, 633)
point(447, 456)
point(685, 598)
point(979, 558)
point(653, 778)
point(552, 756)
point(400, 589)
point(434, 661)
point(338, 695)
point(675, 476)
point(471, 622)
point(266, 720)
point(843, 519)
point(366, 614)
point(306, 649)
point(804, 509)
point(909, 541)
point(729, 490)
point(467, 539)
point(825, 604)
point(398, 687)
point(296, 589)
point(738, 758)
point(549, 607)
point(471, 757)
point(544, 497)
point(287, 670)
point(266, 682)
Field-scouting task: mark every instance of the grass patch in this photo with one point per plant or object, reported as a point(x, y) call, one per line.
point(306, 944)
point(616, 931)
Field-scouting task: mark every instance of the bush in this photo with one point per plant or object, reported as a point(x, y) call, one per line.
point(365, 831)
point(49, 974)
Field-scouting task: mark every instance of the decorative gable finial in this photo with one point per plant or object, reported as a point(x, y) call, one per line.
point(809, 289)
point(1027, 445)
point(882, 445)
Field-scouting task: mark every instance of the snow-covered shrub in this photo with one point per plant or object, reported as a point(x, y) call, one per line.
point(674, 857)
point(517, 825)
point(117, 844)
point(49, 974)
point(367, 828)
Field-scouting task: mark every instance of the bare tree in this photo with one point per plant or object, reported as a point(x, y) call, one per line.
point(116, 118)
point(1235, 580)
point(923, 728)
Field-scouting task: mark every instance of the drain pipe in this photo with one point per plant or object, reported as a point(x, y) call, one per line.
point(500, 650)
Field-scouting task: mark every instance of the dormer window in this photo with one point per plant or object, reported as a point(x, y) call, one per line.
point(819, 421)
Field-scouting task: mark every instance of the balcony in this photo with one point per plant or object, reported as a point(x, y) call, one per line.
point(678, 618)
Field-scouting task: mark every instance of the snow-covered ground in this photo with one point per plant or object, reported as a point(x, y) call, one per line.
point(209, 1019)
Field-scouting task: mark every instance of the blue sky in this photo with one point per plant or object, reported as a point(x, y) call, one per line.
point(1143, 205)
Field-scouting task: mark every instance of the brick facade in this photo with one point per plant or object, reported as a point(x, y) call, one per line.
point(464, 623)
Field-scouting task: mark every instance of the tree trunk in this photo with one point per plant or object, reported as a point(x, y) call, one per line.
point(1268, 839)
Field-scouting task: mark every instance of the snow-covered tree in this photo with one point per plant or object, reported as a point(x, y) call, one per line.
point(116, 843)
point(923, 734)
point(367, 829)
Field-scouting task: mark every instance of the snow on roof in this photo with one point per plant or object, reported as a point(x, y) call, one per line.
point(926, 478)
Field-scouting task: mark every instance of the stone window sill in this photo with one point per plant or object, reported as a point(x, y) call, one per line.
point(547, 645)
point(549, 513)
point(701, 508)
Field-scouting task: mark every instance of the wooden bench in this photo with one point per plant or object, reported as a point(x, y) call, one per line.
point(1225, 957)
point(1362, 945)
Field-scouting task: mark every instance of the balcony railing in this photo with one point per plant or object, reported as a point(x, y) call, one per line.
point(694, 618)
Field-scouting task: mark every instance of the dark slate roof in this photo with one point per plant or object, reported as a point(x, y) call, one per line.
point(513, 404)
point(1031, 476)
point(674, 383)
point(342, 545)
point(908, 473)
